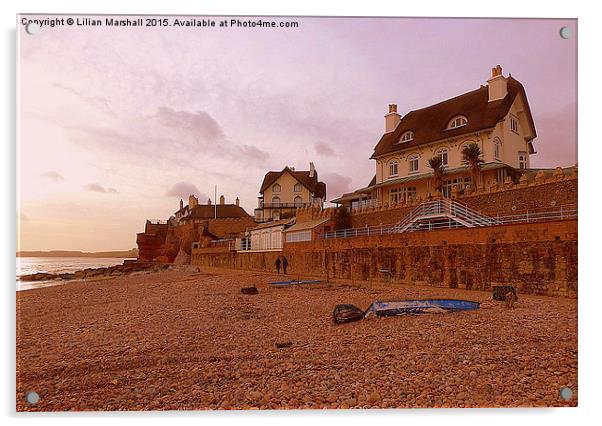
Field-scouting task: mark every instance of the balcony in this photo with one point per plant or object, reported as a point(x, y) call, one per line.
point(282, 205)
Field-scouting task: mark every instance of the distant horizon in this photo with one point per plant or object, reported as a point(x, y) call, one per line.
point(19, 253)
point(109, 138)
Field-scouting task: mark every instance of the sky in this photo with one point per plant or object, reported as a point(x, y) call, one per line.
point(117, 124)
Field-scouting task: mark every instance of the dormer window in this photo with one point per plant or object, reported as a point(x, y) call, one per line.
point(276, 188)
point(457, 121)
point(407, 137)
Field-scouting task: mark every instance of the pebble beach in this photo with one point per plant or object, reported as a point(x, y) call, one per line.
point(182, 340)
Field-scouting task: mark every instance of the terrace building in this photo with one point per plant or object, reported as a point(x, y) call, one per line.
point(496, 117)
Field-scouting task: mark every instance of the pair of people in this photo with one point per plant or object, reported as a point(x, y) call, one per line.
point(283, 262)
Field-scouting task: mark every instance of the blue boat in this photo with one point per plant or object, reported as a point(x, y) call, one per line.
point(415, 307)
point(295, 282)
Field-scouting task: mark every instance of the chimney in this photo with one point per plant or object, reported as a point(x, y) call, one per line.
point(312, 169)
point(392, 119)
point(181, 204)
point(192, 201)
point(209, 202)
point(222, 199)
point(237, 201)
point(497, 84)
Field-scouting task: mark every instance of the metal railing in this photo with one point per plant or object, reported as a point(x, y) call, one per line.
point(444, 209)
point(441, 222)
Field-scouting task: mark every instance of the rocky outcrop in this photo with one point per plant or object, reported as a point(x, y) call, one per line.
point(118, 270)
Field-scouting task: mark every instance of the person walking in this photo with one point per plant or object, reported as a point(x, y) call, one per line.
point(284, 264)
point(278, 265)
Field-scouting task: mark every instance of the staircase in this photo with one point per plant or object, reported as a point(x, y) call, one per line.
point(442, 213)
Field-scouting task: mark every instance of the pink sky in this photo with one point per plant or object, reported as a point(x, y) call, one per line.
point(117, 123)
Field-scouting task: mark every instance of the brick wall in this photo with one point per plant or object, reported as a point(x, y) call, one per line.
point(537, 258)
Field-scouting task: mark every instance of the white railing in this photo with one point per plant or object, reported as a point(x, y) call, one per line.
point(431, 218)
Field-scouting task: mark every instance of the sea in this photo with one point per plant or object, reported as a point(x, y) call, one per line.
point(58, 265)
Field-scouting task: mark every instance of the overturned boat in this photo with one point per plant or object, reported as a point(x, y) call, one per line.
point(415, 307)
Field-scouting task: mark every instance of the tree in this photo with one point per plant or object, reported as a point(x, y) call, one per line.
point(472, 158)
point(342, 218)
point(436, 164)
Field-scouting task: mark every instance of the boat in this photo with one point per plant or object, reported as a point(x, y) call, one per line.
point(415, 307)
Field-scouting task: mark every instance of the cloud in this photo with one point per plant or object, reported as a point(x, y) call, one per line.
point(323, 149)
point(52, 175)
point(96, 187)
point(336, 184)
point(200, 123)
point(184, 189)
point(253, 153)
point(176, 139)
point(97, 102)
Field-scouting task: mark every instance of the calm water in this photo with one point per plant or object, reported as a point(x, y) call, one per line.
point(58, 265)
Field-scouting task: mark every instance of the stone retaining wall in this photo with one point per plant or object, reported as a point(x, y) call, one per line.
point(537, 258)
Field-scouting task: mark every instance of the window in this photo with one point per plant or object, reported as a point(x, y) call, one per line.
point(393, 168)
point(501, 176)
point(276, 214)
point(410, 193)
point(276, 201)
point(395, 195)
point(460, 183)
point(457, 121)
point(276, 188)
point(407, 137)
point(298, 187)
point(496, 148)
point(293, 237)
point(298, 201)
point(413, 163)
point(443, 153)
point(522, 160)
point(514, 124)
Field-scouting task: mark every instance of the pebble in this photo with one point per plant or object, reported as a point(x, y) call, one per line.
point(181, 341)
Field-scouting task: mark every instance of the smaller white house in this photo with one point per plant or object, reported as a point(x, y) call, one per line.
point(267, 236)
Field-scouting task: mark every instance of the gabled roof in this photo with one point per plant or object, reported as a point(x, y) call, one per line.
point(430, 124)
point(311, 183)
point(272, 223)
point(208, 211)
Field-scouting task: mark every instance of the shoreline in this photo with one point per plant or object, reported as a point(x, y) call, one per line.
point(176, 340)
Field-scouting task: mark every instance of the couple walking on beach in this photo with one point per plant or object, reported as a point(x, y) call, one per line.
point(283, 262)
